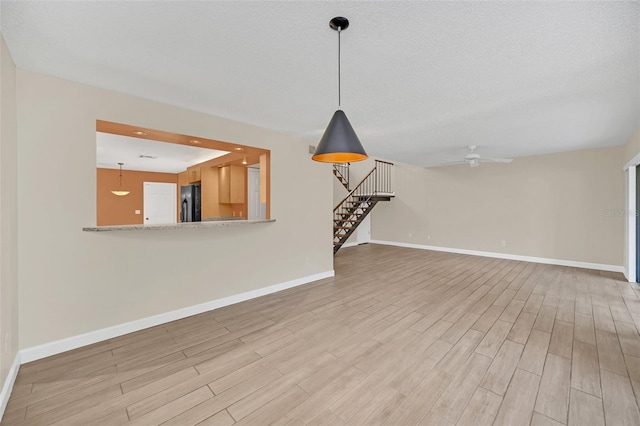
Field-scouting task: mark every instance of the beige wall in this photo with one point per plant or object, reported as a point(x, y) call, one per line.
point(73, 282)
point(8, 213)
point(551, 206)
point(632, 147)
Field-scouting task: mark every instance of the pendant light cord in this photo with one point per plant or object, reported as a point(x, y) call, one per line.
point(339, 93)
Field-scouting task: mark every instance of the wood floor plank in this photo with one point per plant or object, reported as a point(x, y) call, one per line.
point(534, 302)
point(455, 398)
point(482, 409)
point(512, 311)
point(633, 367)
point(492, 341)
point(553, 394)
point(603, 319)
point(585, 409)
point(324, 397)
point(517, 405)
point(585, 372)
point(519, 333)
point(610, 353)
point(398, 336)
point(584, 329)
point(545, 319)
point(174, 407)
point(274, 409)
point(542, 420)
point(535, 352)
point(455, 332)
point(566, 311)
point(222, 418)
point(619, 403)
point(562, 339)
point(629, 338)
point(502, 368)
point(488, 318)
point(218, 403)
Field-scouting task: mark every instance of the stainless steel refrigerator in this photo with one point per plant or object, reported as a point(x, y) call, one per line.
point(190, 203)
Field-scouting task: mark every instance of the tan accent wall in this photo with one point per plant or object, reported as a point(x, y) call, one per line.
point(551, 206)
point(8, 213)
point(114, 210)
point(87, 281)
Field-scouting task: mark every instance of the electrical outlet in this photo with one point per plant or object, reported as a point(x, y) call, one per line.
point(6, 343)
point(504, 243)
point(137, 211)
point(428, 237)
point(410, 235)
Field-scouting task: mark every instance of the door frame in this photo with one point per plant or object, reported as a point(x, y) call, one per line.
point(630, 222)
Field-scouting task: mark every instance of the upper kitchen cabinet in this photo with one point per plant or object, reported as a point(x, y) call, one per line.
point(232, 184)
point(193, 174)
point(183, 179)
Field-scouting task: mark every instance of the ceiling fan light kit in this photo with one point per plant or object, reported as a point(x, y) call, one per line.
point(339, 143)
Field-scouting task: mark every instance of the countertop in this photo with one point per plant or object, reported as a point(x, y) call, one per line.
point(187, 225)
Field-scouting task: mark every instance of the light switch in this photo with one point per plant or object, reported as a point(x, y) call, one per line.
point(137, 211)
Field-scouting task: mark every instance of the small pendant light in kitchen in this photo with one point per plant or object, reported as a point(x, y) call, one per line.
point(339, 143)
point(120, 192)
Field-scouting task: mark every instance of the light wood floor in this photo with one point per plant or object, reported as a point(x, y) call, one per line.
point(398, 337)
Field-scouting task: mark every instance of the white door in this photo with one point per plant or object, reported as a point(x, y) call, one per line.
point(364, 230)
point(253, 189)
point(160, 203)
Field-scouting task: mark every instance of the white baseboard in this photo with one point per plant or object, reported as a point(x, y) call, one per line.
point(8, 384)
point(58, 346)
point(345, 245)
point(573, 263)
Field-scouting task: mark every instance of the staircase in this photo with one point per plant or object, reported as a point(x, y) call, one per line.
point(341, 171)
point(350, 212)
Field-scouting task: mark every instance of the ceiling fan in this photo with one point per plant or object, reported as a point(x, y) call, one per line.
point(474, 159)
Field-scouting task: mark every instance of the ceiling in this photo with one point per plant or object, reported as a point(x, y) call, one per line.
point(165, 157)
point(420, 80)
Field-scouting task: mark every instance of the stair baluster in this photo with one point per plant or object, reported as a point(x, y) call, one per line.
point(350, 212)
point(341, 171)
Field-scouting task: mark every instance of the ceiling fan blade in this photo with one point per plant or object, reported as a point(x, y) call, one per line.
point(497, 160)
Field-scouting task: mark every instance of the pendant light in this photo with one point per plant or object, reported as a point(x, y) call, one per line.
point(339, 143)
point(120, 192)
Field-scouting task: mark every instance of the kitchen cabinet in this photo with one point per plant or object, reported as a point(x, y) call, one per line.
point(232, 184)
point(193, 174)
point(183, 180)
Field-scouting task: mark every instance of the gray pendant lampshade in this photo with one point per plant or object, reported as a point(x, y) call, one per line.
point(339, 143)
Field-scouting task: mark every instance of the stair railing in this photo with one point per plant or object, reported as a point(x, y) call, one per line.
point(341, 170)
point(377, 181)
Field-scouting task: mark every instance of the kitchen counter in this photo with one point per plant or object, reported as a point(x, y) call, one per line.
point(215, 219)
point(187, 225)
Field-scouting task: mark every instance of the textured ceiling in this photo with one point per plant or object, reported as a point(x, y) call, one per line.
point(420, 80)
